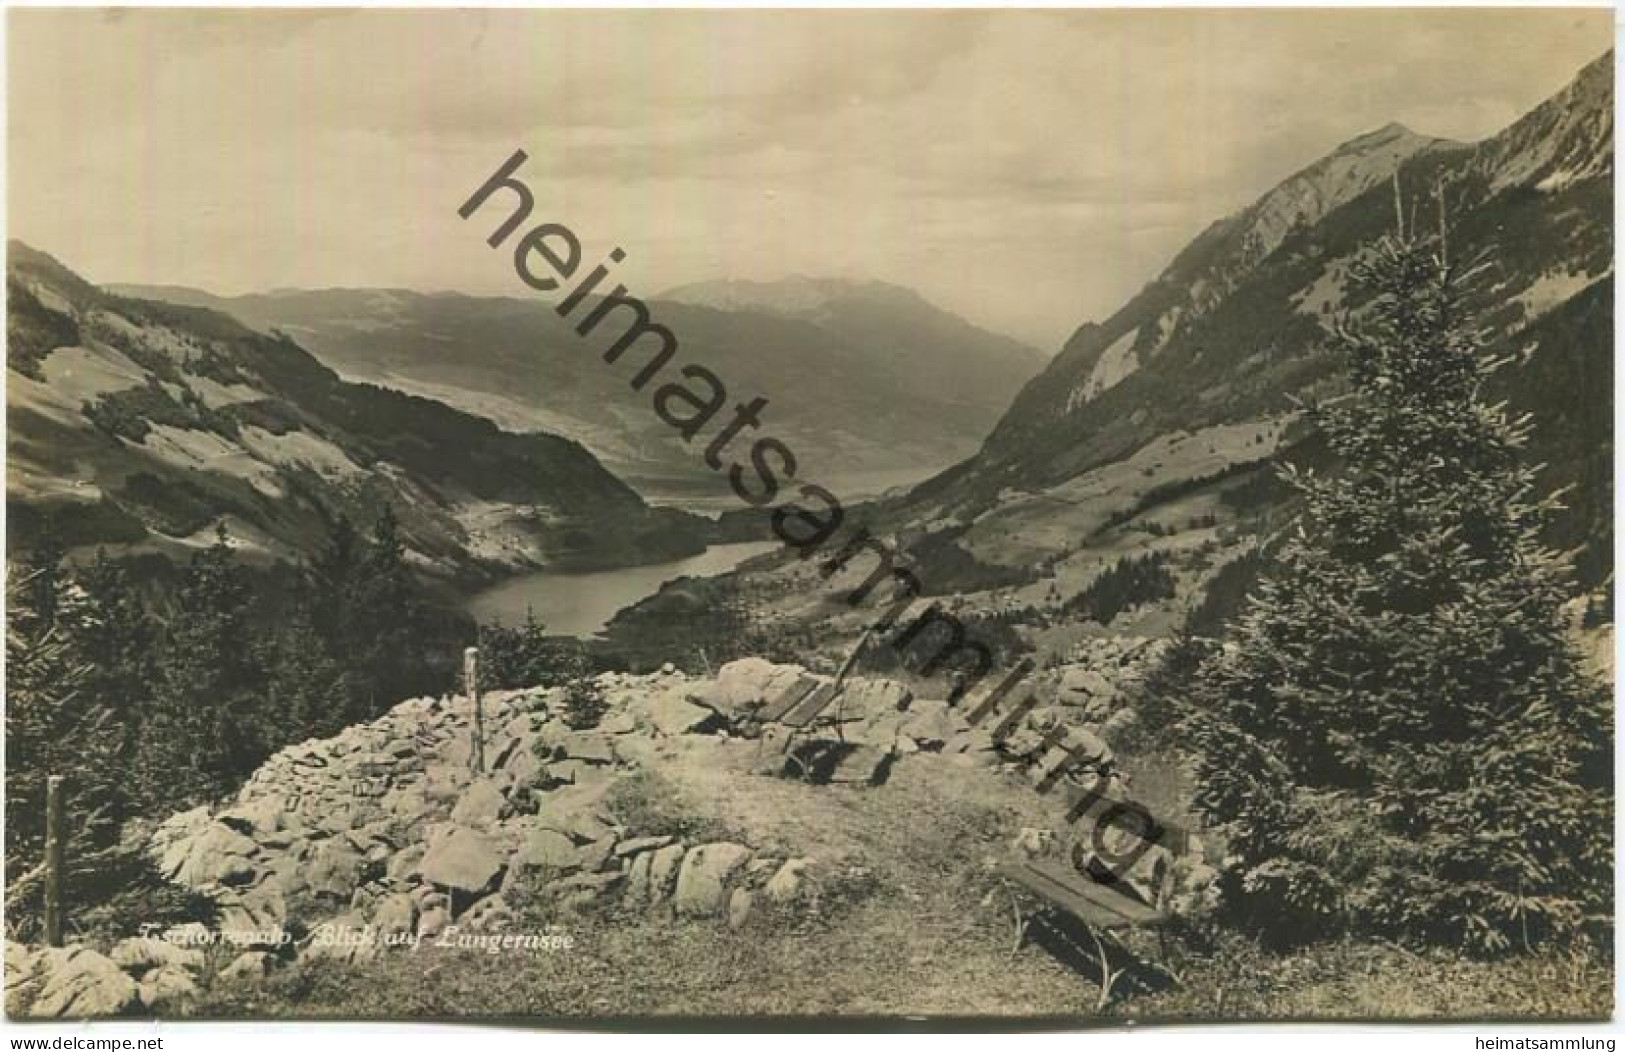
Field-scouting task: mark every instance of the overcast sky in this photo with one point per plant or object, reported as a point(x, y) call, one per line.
point(1028, 170)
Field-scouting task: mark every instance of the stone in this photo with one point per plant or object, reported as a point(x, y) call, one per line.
point(433, 922)
point(596, 855)
point(24, 978)
point(346, 939)
point(235, 872)
point(1035, 842)
point(200, 860)
point(637, 879)
point(523, 770)
point(739, 907)
point(618, 723)
point(860, 765)
point(406, 801)
point(141, 953)
point(789, 883)
point(1088, 748)
point(463, 860)
point(286, 870)
point(643, 843)
point(584, 888)
point(372, 835)
point(550, 849)
point(402, 866)
point(673, 714)
point(931, 724)
point(76, 982)
point(577, 811)
point(255, 818)
point(592, 748)
point(702, 882)
point(396, 913)
point(745, 685)
point(335, 871)
point(165, 985)
point(1081, 684)
point(253, 917)
point(248, 967)
point(481, 804)
point(170, 843)
point(579, 772)
point(663, 870)
point(488, 914)
point(444, 782)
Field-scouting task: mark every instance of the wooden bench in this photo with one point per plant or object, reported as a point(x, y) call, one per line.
point(801, 705)
point(1098, 907)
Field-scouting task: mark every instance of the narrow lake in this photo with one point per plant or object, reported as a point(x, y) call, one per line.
point(581, 604)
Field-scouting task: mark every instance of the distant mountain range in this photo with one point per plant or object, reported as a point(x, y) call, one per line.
point(867, 379)
point(1155, 434)
point(139, 425)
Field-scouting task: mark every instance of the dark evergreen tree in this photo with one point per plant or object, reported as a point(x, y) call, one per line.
point(387, 631)
point(1399, 739)
point(308, 684)
point(208, 725)
point(120, 644)
point(54, 726)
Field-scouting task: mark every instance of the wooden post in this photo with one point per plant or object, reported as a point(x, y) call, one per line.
point(471, 683)
point(1444, 230)
point(55, 830)
point(1399, 207)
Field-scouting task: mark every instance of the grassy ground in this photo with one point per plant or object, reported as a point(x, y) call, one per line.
point(891, 958)
point(908, 921)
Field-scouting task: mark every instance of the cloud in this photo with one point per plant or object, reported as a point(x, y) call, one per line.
point(1029, 169)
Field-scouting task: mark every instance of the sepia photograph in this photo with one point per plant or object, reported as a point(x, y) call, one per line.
point(810, 519)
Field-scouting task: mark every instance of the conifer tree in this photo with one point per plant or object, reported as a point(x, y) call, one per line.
point(1399, 739)
point(387, 630)
point(54, 726)
point(207, 725)
point(120, 644)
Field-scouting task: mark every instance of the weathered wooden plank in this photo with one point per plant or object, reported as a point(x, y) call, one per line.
point(1090, 901)
point(811, 706)
point(787, 699)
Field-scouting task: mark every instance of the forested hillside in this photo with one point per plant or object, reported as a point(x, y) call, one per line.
point(139, 425)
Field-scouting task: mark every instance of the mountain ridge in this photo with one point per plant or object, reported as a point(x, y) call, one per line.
point(887, 385)
point(138, 425)
point(1150, 445)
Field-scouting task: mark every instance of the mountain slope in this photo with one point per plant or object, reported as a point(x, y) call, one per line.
point(1131, 488)
point(1233, 331)
point(867, 379)
point(141, 424)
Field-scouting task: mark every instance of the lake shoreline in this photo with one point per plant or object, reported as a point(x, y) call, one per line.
point(582, 602)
